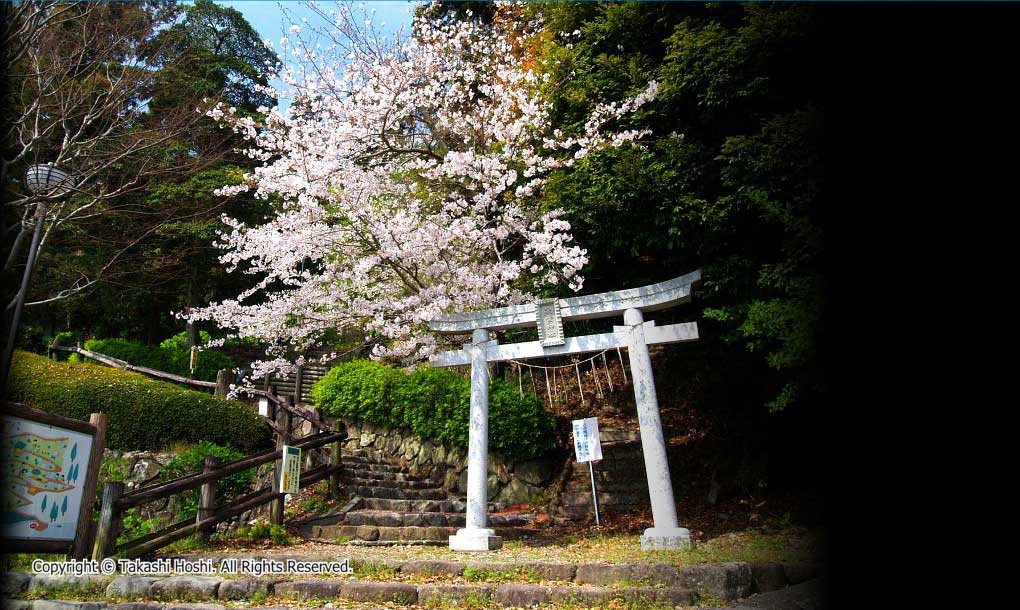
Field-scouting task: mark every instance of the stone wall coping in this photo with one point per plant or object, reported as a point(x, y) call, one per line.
point(580, 581)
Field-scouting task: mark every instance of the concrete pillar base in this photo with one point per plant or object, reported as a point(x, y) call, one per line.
point(475, 539)
point(666, 539)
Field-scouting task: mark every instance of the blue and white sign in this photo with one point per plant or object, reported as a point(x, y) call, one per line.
point(587, 446)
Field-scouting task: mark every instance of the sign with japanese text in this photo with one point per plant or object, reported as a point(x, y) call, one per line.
point(290, 477)
point(587, 446)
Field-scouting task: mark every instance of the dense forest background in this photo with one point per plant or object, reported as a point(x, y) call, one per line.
point(732, 181)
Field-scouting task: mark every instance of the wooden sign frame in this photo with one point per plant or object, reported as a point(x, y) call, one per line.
point(81, 544)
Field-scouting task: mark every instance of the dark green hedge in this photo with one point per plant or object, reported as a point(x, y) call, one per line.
point(172, 356)
point(435, 404)
point(144, 413)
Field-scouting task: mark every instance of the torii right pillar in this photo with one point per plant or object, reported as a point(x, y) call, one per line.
point(666, 533)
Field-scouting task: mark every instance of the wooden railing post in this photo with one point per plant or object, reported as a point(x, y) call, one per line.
point(334, 461)
point(288, 419)
point(207, 496)
point(223, 379)
point(276, 507)
point(109, 521)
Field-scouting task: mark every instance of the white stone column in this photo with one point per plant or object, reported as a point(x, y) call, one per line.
point(475, 536)
point(666, 534)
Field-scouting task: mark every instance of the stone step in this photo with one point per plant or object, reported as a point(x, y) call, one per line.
point(587, 510)
point(579, 485)
point(619, 435)
point(395, 494)
point(368, 455)
point(350, 479)
point(416, 506)
point(400, 535)
point(583, 498)
point(354, 464)
point(627, 459)
point(384, 518)
point(382, 475)
point(373, 533)
point(395, 519)
point(609, 475)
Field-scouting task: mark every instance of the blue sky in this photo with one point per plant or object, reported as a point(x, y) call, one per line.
point(268, 19)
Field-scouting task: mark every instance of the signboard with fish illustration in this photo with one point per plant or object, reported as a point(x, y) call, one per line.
point(45, 463)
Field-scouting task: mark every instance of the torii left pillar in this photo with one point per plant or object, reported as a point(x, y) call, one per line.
point(475, 536)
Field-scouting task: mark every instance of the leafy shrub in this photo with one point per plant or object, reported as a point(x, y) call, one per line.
point(434, 403)
point(67, 338)
point(191, 461)
point(180, 340)
point(136, 525)
point(172, 356)
point(144, 413)
point(257, 532)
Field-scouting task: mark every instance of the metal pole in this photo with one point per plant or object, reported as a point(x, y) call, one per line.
point(12, 337)
point(594, 496)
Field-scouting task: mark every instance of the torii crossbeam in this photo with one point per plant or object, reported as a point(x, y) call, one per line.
point(636, 335)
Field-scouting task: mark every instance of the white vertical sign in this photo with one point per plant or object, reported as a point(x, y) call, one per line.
point(290, 473)
point(587, 446)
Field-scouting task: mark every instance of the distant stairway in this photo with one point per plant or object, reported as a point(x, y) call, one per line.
point(388, 506)
point(620, 478)
point(297, 384)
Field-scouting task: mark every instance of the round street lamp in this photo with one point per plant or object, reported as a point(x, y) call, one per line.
point(49, 180)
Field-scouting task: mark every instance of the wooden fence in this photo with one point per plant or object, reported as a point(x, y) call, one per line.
point(282, 411)
point(115, 502)
point(297, 384)
point(120, 364)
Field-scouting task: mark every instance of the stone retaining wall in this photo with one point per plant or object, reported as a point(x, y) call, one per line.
point(509, 482)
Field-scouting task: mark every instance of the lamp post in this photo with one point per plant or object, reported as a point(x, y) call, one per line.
point(53, 182)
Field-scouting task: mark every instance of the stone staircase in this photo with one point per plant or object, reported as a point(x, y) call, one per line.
point(389, 506)
point(620, 479)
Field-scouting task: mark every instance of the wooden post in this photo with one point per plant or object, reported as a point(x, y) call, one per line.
point(297, 385)
point(222, 383)
point(276, 506)
point(84, 534)
point(207, 496)
point(109, 521)
point(288, 420)
point(334, 460)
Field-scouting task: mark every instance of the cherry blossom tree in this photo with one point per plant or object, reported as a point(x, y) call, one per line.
point(408, 174)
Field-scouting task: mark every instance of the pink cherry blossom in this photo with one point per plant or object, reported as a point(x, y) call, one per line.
point(407, 181)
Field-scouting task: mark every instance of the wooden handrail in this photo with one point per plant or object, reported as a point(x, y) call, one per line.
point(162, 490)
point(137, 548)
point(120, 364)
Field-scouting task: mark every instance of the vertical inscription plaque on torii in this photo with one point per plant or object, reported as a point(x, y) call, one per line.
point(550, 324)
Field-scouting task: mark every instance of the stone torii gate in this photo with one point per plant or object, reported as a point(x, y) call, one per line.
point(636, 335)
